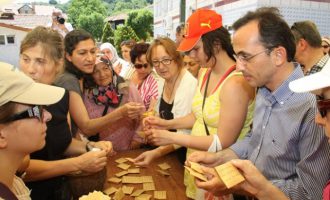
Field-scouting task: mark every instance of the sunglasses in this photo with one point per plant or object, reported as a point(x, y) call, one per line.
point(323, 105)
point(32, 112)
point(139, 66)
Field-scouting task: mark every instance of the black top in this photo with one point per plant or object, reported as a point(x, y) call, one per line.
point(165, 110)
point(6, 193)
point(58, 139)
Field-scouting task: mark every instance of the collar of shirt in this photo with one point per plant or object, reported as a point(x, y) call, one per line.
point(282, 93)
point(318, 66)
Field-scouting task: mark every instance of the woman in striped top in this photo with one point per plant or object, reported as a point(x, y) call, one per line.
point(144, 78)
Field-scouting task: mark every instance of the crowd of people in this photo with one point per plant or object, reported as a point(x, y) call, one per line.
point(257, 98)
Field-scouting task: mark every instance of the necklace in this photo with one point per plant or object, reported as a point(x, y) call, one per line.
point(171, 91)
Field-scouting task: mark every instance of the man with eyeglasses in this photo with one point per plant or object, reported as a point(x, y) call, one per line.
point(285, 144)
point(309, 51)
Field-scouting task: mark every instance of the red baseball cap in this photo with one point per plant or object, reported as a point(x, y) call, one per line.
point(200, 22)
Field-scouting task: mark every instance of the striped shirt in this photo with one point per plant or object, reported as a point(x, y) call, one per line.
point(148, 90)
point(286, 144)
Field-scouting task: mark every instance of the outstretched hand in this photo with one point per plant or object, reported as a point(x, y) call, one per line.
point(159, 137)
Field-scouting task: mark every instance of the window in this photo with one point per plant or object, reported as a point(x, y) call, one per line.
point(2, 40)
point(10, 39)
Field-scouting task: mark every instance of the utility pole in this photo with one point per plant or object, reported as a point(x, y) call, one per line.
point(182, 11)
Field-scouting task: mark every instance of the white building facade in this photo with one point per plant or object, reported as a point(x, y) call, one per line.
point(167, 12)
point(10, 41)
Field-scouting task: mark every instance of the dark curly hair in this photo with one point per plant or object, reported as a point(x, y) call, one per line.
point(138, 50)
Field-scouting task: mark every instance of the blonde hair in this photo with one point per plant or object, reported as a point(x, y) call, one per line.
point(51, 42)
point(170, 48)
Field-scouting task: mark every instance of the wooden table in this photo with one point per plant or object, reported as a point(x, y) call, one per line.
point(173, 184)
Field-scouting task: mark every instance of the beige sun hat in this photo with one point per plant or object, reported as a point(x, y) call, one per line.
point(17, 87)
point(327, 40)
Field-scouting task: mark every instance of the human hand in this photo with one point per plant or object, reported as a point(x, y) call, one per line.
point(213, 184)
point(104, 145)
point(118, 68)
point(153, 122)
point(204, 158)
point(159, 137)
point(255, 183)
point(92, 161)
point(146, 158)
point(133, 110)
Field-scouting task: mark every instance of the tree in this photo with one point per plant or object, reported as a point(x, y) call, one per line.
point(119, 6)
point(79, 8)
point(63, 7)
point(124, 32)
point(53, 2)
point(108, 34)
point(142, 23)
point(92, 23)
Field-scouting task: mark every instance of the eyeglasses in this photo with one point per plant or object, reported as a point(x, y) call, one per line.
point(165, 61)
point(325, 46)
point(323, 105)
point(189, 63)
point(139, 66)
point(244, 59)
point(32, 112)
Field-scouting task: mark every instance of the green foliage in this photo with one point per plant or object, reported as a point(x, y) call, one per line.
point(79, 8)
point(92, 23)
point(53, 2)
point(108, 34)
point(119, 6)
point(142, 23)
point(124, 32)
point(63, 7)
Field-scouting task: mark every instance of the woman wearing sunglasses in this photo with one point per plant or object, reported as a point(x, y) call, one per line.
point(105, 92)
point(41, 58)
point(176, 95)
point(22, 126)
point(144, 78)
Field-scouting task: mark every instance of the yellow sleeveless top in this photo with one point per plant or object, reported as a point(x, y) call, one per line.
point(211, 116)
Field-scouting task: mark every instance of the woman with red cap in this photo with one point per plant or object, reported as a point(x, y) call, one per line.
point(223, 103)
